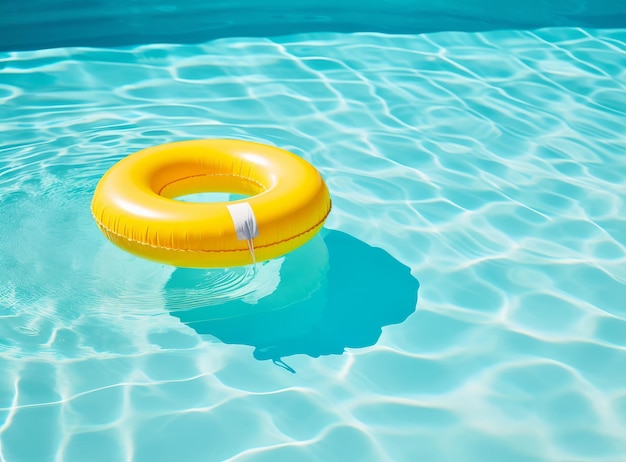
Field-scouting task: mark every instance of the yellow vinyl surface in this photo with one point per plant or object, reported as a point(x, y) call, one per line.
point(134, 204)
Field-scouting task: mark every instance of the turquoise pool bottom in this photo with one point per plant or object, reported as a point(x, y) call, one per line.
point(487, 166)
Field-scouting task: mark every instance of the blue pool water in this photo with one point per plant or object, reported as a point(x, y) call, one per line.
point(465, 302)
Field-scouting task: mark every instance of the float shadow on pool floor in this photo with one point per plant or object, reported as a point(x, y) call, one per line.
point(335, 292)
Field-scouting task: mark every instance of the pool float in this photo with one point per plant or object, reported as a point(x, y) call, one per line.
point(134, 203)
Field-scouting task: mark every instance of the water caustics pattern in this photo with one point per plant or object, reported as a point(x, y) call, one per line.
point(487, 170)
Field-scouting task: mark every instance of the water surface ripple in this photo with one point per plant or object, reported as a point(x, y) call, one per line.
point(488, 166)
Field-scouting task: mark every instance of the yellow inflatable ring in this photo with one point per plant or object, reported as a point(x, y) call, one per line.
point(134, 206)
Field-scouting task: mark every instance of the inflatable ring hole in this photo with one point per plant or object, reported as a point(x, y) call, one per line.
point(211, 188)
point(211, 197)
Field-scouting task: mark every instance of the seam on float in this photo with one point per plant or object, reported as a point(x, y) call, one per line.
point(110, 231)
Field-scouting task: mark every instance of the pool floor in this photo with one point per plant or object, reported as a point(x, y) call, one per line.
point(465, 301)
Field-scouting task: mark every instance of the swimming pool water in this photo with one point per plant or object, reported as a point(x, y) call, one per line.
point(464, 303)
